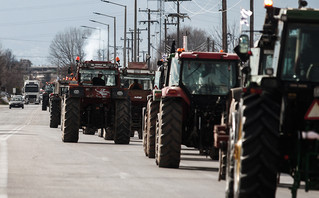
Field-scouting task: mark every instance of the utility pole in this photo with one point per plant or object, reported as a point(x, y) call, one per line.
point(135, 28)
point(128, 48)
point(252, 24)
point(149, 22)
point(137, 40)
point(224, 23)
point(178, 15)
point(165, 35)
point(132, 44)
point(166, 49)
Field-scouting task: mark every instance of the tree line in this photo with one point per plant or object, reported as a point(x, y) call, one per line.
point(11, 72)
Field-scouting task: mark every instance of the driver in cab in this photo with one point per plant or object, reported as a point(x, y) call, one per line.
point(98, 81)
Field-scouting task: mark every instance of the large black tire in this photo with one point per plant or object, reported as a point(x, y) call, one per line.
point(152, 111)
point(45, 101)
point(108, 134)
point(255, 171)
point(44, 107)
point(230, 159)
point(89, 131)
point(170, 127)
point(145, 132)
point(122, 125)
point(55, 114)
point(70, 130)
point(222, 161)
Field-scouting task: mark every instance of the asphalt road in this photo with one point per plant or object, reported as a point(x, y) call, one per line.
point(35, 163)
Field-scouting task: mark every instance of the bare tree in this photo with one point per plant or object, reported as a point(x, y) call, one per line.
point(232, 37)
point(66, 46)
point(11, 72)
point(196, 38)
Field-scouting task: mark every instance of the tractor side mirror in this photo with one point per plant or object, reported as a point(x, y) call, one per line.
point(243, 44)
point(242, 49)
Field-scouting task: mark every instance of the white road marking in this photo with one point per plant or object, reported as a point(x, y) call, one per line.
point(4, 156)
point(3, 169)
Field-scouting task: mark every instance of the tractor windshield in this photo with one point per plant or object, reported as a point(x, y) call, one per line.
point(301, 53)
point(143, 79)
point(87, 75)
point(209, 77)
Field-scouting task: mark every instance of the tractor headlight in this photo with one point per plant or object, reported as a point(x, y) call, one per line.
point(119, 93)
point(76, 91)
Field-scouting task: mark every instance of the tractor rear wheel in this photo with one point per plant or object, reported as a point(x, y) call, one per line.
point(170, 127)
point(70, 130)
point(122, 125)
point(55, 114)
point(152, 110)
point(255, 171)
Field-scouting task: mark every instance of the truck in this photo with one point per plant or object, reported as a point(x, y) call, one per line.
point(275, 124)
point(138, 72)
point(189, 103)
point(95, 100)
point(31, 91)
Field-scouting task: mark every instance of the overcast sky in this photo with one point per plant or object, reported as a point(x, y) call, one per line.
point(28, 27)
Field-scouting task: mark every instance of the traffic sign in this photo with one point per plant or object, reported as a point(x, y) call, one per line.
point(313, 111)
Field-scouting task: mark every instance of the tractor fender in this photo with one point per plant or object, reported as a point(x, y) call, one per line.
point(175, 92)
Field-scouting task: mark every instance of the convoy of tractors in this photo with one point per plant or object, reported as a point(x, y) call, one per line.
point(256, 110)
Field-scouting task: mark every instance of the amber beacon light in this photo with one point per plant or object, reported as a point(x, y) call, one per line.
point(268, 3)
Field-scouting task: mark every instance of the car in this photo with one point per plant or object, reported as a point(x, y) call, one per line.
point(16, 101)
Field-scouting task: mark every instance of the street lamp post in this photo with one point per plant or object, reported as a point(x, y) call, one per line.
point(114, 18)
point(125, 21)
point(108, 37)
point(99, 37)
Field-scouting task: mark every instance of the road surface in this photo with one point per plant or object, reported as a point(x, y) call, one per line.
point(35, 163)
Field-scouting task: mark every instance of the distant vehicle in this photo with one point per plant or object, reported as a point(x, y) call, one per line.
point(16, 101)
point(31, 91)
point(139, 72)
point(49, 87)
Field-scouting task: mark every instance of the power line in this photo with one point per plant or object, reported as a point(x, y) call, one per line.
point(53, 20)
point(25, 40)
point(75, 3)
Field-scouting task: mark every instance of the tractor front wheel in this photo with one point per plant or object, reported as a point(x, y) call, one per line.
point(122, 125)
point(152, 110)
point(55, 113)
point(170, 127)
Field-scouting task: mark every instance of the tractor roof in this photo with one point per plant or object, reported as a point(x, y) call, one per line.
point(98, 65)
point(209, 55)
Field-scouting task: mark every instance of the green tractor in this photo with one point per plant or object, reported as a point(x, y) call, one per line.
point(275, 126)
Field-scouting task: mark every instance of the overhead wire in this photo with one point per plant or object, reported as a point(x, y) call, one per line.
point(75, 3)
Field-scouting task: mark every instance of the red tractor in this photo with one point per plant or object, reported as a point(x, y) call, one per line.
point(138, 80)
point(95, 100)
point(189, 105)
